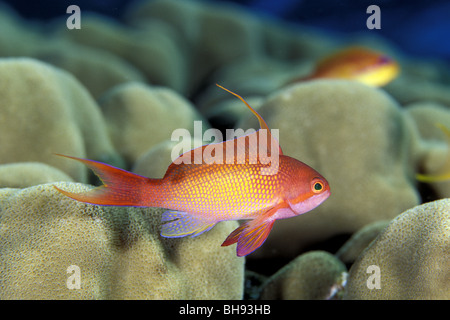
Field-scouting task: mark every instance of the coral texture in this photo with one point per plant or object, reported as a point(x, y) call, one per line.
point(411, 257)
point(118, 251)
point(140, 116)
point(27, 174)
point(315, 275)
point(33, 94)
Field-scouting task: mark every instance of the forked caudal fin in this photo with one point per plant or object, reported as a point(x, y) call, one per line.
point(120, 187)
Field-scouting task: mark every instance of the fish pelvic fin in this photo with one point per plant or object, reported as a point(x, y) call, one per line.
point(120, 187)
point(249, 236)
point(177, 224)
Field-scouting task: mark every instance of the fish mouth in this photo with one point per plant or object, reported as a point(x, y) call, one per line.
point(310, 203)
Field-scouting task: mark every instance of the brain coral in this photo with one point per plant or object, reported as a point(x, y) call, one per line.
point(351, 249)
point(155, 50)
point(412, 256)
point(45, 236)
point(45, 110)
point(435, 153)
point(140, 116)
point(312, 275)
point(216, 34)
point(359, 139)
point(26, 174)
point(98, 70)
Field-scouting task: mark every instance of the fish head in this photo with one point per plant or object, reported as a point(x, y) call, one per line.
point(307, 189)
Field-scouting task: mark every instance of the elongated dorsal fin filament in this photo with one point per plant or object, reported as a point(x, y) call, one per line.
point(262, 123)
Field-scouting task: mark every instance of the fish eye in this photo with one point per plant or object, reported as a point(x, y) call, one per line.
point(317, 186)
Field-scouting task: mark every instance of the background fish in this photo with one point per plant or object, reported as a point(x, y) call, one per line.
point(356, 63)
point(198, 196)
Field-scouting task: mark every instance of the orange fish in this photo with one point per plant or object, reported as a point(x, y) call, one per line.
point(198, 196)
point(357, 63)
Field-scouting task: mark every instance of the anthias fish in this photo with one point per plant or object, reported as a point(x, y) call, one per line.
point(357, 63)
point(198, 196)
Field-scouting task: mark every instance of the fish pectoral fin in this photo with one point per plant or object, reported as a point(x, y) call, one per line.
point(252, 234)
point(249, 236)
point(177, 224)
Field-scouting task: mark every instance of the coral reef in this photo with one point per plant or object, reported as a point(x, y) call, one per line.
point(44, 93)
point(412, 256)
point(353, 247)
point(115, 91)
point(118, 250)
point(27, 174)
point(140, 116)
point(153, 50)
point(434, 157)
point(315, 275)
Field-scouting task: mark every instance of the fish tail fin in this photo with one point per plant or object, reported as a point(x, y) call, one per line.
point(249, 236)
point(120, 187)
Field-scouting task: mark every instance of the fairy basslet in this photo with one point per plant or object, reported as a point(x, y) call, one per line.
point(357, 63)
point(445, 174)
point(198, 196)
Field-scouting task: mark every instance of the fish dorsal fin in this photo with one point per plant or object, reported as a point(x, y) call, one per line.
point(252, 148)
point(341, 56)
point(262, 122)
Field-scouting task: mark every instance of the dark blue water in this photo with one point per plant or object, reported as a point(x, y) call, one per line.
point(418, 27)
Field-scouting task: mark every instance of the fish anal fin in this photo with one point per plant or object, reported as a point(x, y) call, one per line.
point(177, 224)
